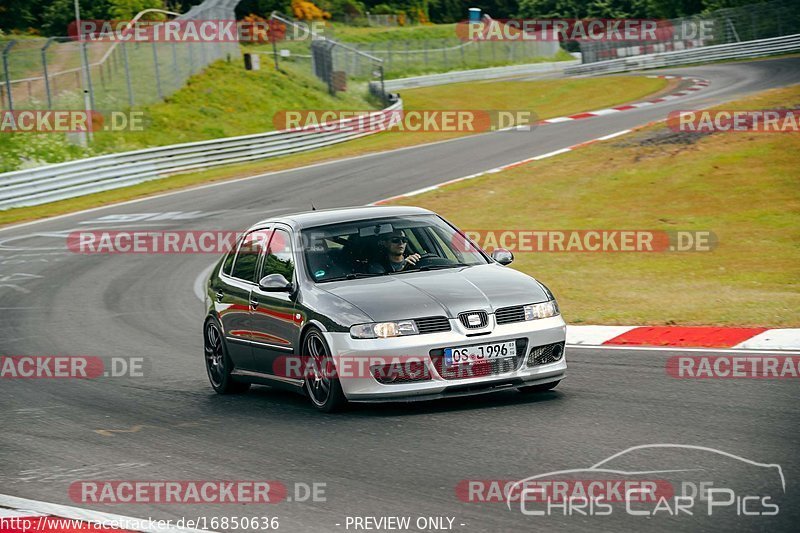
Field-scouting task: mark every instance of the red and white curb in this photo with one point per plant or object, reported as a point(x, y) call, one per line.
point(697, 85)
point(686, 337)
point(18, 515)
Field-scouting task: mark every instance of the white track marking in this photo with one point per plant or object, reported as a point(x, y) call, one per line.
point(313, 165)
point(199, 282)
point(681, 349)
point(775, 339)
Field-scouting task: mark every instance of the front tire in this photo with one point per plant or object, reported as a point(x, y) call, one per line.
point(321, 384)
point(539, 388)
point(218, 364)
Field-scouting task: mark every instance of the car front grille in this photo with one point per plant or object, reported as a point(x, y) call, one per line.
point(477, 370)
point(544, 355)
point(507, 315)
point(483, 319)
point(432, 324)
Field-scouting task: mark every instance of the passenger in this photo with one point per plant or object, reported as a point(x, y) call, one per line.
point(391, 254)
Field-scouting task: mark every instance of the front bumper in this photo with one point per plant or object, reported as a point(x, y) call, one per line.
point(367, 388)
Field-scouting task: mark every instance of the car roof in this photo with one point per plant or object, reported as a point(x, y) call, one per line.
point(322, 217)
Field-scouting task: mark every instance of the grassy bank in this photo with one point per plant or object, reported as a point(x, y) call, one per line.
point(224, 101)
point(742, 187)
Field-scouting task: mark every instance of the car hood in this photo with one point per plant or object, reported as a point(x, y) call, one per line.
point(439, 292)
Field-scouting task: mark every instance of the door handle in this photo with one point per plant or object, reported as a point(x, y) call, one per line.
point(220, 295)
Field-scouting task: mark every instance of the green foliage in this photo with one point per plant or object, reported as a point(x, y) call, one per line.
point(127, 9)
point(223, 101)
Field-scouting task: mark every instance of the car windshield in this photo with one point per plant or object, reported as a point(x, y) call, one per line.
point(386, 246)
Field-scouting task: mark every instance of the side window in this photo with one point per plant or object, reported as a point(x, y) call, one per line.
point(280, 259)
point(226, 266)
point(244, 266)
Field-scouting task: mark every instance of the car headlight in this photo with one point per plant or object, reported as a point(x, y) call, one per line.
point(542, 310)
point(382, 330)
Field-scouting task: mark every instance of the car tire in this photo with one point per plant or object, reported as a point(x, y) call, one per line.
point(323, 389)
point(539, 388)
point(218, 364)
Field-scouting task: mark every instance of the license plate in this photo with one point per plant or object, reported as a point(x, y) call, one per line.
point(467, 355)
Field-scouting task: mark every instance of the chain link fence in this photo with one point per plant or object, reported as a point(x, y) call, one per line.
point(300, 47)
point(54, 73)
point(724, 26)
point(406, 58)
point(343, 65)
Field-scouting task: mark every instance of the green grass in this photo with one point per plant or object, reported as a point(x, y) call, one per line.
point(548, 98)
point(223, 101)
point(353, 34)
point(742, 187)
point(415, 50)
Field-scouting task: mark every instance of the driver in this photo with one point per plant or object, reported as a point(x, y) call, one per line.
point(391, 254)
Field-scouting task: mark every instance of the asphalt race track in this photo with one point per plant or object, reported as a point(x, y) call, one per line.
point(375, 460)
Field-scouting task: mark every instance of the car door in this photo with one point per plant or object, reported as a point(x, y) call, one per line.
point(232, 297)
point(275, 325)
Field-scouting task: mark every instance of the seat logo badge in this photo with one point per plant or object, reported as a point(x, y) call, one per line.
point(474, 320)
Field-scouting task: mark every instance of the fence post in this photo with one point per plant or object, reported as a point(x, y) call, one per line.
point(191, 57)
point(461, 48)
point(158, 76)
point(6, 50)
point(389, 55)
point(44, 71)
point(88, 71)
point(425, 48)
point(444, 52)
point(176, 71)
point(127, 72)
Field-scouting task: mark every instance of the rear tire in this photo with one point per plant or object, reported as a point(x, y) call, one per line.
point(538, 388)
point(321, 384)
point(218, 364)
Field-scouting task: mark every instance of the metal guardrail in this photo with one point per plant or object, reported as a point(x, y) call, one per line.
point(96, 174)
point(477, 74)
point(705, 54)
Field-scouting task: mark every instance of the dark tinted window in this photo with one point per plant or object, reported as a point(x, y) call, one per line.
point(279, 256)
point(246, 261)
point(226, 266)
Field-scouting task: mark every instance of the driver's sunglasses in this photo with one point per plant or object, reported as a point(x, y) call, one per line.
point(398, 240)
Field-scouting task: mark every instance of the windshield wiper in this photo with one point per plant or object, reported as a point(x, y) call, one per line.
point(354, 275)
point(430, 267)
point(437, 267)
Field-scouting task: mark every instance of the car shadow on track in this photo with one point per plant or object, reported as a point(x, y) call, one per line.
point(261, 397)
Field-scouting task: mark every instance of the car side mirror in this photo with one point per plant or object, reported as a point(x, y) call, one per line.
point(275, 283)
point(502, 256)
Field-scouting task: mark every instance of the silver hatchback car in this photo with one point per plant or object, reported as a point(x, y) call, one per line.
point(376, 304)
